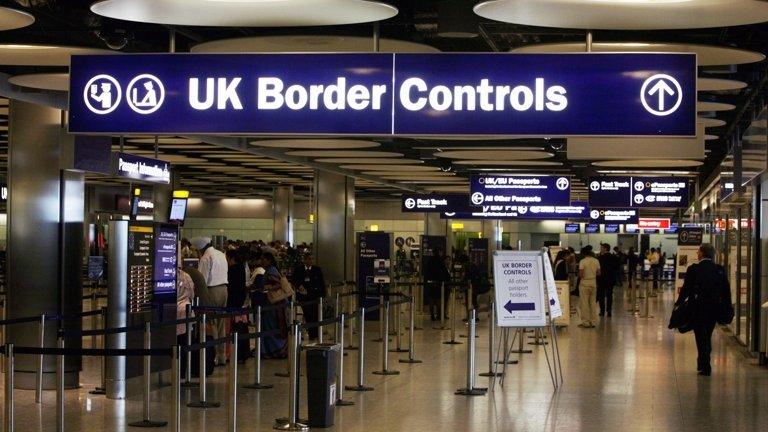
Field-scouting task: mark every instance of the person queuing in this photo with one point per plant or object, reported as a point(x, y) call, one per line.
point(609, 267)
point(707, 283)
point(213, 266)
point(277, 346)
point(185, 295)
point(561, 266)
point(307, 279)
point(589, 270)
point(632, 261)
point(653, 260)
point(438, 276)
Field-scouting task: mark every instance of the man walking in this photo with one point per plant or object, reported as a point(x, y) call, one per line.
point(707, 283)
point(214, 268)
point(589, 270)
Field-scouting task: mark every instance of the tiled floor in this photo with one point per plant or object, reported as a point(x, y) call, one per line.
point(628, 374)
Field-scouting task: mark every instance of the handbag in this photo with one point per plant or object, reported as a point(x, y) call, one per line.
point(284, 292)
point(683, 316)
point(725, 312)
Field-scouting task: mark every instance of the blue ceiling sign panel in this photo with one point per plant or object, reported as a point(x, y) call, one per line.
point(385, 94)
point(500, 189)
point(648, 192)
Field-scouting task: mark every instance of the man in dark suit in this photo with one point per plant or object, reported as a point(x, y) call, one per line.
point(709, 283)
point(309, 283)
point(609, 269)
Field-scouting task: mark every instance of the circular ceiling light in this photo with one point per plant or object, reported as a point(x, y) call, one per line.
point(507, 163)
point(344, 154)
point(717, 84)
point(11, 19)
point(648, 163)
point(42, 55)
point(309, 43)
point(388, 161)
point(710, 137)
point(706, 55)
point(714, 106)
point(162, 140)
point(45, 81)
point(710, 122)
point(400, 168)
point(246, 13)
point(316, 144)
point(625, 14)
point(500, 154)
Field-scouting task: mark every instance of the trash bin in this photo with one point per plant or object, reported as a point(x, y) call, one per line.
point(321, 383)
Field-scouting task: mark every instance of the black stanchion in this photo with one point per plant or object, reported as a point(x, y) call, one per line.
point(102, 389)
point(202, 395)
point(257, 384)
point(146, 384)
point(340, 401)
point(188, 354)
point(470, 389)
point(360, 387)
point(385, 344)
point(9, 375)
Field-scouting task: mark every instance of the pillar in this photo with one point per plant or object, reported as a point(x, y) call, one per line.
point(46, 209)
point(334, 231)
point(433, 225)
point(492, 230)
point(282, 211)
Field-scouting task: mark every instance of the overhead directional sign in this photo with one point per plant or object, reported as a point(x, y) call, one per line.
point(491, 189)
point(141, 168)
point(613, 216)
point(648, 192)
point(596, 94)
point(435, 203)
point(653, 223)
point(577, 210)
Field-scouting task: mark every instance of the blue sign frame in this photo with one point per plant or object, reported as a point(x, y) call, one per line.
point(519, 190)
point(559, 94)
point(642, 192)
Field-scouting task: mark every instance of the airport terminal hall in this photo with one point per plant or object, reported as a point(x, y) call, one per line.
point(384, 215)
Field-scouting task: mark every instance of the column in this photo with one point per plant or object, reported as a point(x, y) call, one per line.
point(282, 211)
point(45, 236)
point(334, 236)
point(492, 230)
point(433, 225)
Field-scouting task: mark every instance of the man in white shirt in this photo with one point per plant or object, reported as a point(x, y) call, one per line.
point(213, 266)
point(589, 270)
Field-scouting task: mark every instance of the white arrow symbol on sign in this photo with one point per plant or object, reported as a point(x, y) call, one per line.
point(661, 87)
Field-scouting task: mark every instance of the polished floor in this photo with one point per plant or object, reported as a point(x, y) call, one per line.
point(628, 374)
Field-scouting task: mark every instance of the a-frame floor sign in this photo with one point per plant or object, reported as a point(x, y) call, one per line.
point(526, 297)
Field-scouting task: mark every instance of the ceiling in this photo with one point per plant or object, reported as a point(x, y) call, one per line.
point(214, 169)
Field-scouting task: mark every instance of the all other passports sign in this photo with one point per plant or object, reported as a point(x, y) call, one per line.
point(520, 190)
point(385, 94)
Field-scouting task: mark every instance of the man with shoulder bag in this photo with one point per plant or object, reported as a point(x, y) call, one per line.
point(704, 301)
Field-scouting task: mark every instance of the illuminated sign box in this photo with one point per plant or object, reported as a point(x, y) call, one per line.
point(648, 192)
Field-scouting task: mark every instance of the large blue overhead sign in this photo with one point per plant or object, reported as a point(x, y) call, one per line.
point(649, 192)
point(385, 94)
point(493, 189)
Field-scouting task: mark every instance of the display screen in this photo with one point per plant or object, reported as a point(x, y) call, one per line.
point(572, 228)
point(611, 228)
point(166, 242)
point(178, 211)
point(592, 229)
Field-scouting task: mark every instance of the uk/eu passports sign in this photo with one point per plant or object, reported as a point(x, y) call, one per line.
point(595, 94)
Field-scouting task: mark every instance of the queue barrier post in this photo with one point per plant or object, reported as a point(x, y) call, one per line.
point(360, 387)
point(232, 384)
point(202, 395)
point(102, 389)
point(340, 401)
point(492, 342)
point(337, 311)
point(94, 306)
point(257, 385)
point(60, 388)
point(188, 354)
point(411, 328)
point(385, 343)
point(320, 305)
point(398, 326)
point(9, 373)
point(176, 388)
point(470, 389)
point(452, 301)
point(292, 422)
point(291, 318)
point(147, 384)
point(351, 328)
point(39, 374)
point(647, 313)
point(382, 334)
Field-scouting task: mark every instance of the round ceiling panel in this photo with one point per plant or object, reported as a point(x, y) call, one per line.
point(707, 55)
point(714, 106)
point(710, 137)
point(507, 163)
point(648, 163)
point(716, 84)
point(11, 19)
point(625, 14)
point(431, 174)
point(343, 154)
point(388, 161)
point(316, 144)
point(309, 43)
point(710, 122)
point(500, 154)
point(246, 13)
point(45, 81)
point(42, 55)
point(401, 168)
